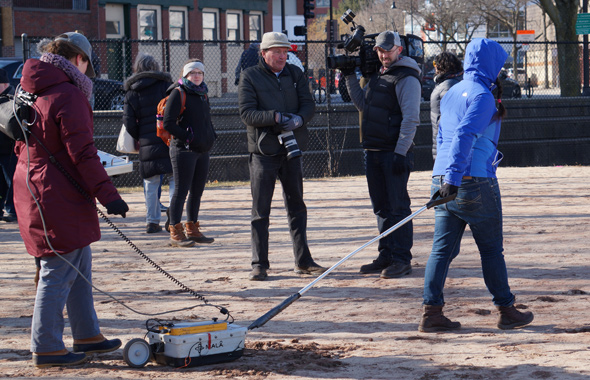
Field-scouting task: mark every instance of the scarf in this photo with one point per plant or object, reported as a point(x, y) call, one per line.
point(80, 80)
point(443, 77)
point(200, 90)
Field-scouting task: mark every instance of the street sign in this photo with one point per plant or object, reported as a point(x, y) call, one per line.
point(583, 23)
point(525, 35)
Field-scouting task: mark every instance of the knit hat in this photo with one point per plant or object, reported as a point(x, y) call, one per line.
point(274, 39)
point(81, 43)
point(3, 76)
point(387, 40)
point(191, 66)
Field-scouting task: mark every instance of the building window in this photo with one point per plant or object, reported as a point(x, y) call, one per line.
point(209, 26)
point(177, 25)
point(233, 26)
point(255, 23)
point(322, 4)
point(113, 27)
point(148, 26)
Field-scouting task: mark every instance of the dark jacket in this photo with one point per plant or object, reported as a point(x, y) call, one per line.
point(248, 58)
point(261, 94)
point(6, 143)
point(196, 118)
point(64, 125)
point(143, 93)
point(443, 83)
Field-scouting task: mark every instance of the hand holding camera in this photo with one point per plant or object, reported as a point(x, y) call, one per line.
point(290, 122)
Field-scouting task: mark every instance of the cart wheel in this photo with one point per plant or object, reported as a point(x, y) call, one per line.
point(137, 353)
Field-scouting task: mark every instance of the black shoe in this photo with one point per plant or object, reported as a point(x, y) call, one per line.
point(375, 267)
point(42, 361)
point(167, 224)
point(9, 218)
point(106, 345)
point(313, 268)
point(258, 274)
point(153, 228)
point(396, 270)
point(163, 208)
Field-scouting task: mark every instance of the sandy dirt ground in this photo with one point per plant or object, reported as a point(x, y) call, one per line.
point(348, 326)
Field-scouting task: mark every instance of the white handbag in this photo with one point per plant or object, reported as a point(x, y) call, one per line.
point(126, 143)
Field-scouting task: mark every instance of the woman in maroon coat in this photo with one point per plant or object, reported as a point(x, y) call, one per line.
point(56, 222)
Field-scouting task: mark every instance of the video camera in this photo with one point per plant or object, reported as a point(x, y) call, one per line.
point(367, 59)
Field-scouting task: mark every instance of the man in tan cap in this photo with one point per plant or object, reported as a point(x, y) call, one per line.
point(275, 104)
point(391, 114)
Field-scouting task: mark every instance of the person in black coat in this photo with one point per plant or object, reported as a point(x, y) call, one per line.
point(448, 71)
point(7, 160)
point(144, 90)
point(249, 58)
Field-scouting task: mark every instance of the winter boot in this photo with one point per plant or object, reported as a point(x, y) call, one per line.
point(511, 318)
point(433, 320)
point(380, 263)
point(178, 238)
point(193, 233)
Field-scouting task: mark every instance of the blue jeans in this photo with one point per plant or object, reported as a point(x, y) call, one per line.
point(151, 190)
point(391, 204)
point(60, 285)
point(478, 204)
point(264, 171)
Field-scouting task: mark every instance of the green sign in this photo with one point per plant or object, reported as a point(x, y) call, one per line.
point(583, 23)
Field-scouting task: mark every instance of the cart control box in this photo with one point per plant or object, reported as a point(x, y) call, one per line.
point(192, 344)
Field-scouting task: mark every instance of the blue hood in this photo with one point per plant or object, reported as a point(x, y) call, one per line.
point(484, 59)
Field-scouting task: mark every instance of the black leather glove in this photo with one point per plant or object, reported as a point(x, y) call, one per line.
point(237, 81)
point(399, 163)
point(118, 207)
point(447, 190)
point(293, 122)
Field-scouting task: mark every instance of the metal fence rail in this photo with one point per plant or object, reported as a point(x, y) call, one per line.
point(334, 148)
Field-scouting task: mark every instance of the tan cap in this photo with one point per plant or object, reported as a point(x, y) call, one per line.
point(274, 39)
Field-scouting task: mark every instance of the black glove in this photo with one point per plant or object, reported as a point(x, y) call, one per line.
point(293, 122)
point(118, 207)
point(399, 163)
point(447, 190)
point(237, 81)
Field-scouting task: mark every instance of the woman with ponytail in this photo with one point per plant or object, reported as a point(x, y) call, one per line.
point(56, 221)
point(465, 166)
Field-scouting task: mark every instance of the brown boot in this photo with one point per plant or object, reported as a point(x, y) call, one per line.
point(434, 320)
point(193, 233)
point(511, 318)
point(178, 238)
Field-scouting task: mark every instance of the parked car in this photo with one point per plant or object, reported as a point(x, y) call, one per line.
point(510, 87)
point(11, 65)
point(108, 93)
point(427, 85)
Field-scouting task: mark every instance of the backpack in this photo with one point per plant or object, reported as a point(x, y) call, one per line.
point(160, 131)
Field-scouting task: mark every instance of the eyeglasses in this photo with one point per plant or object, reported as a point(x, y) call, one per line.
point(195, 72)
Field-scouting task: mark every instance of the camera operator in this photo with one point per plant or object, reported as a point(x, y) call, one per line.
point(390, 106)
point(275, 103)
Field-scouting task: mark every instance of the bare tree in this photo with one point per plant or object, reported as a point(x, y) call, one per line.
point(564, 14)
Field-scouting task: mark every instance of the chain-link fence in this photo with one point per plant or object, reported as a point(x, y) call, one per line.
point(531, 73)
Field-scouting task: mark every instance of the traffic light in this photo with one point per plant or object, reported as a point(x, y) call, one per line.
point(300, 30)
point(308, 7)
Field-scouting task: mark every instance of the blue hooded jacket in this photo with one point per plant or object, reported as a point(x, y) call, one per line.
point(468, 132)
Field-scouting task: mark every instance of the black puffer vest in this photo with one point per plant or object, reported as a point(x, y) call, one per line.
point(382, 115)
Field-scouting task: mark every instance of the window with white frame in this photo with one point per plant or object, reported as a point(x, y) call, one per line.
point(210, 28)
point(233, 26)
point(177, 23)
point(255, 26)
point(148, 24)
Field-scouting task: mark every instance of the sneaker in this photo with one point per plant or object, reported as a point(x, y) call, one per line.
point(106, 345)
point(153, 228)
point(42, 361)
point(10, 218)
point(375, 267)
point(163, 208)
point(258, 274)
point(313, 268)
point(396, 270)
